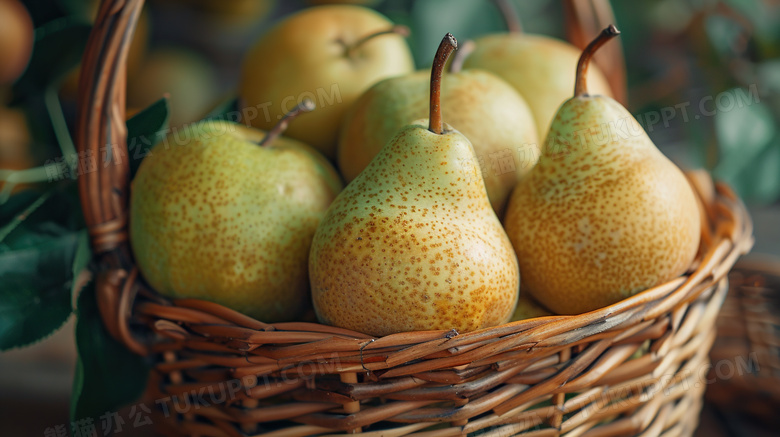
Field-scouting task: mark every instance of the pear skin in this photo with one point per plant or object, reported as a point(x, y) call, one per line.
point(604, 214)
point(528, 308)
point(305, 55)
point(489, 113)
point(540, 68)
point(221, 218)
point(413, 244)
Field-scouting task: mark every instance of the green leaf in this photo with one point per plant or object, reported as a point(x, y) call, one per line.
point(43, 247)
point(144, 130)
point(227, 110)
point(722, 33)
point(35, 296)
point(108, 375)
point(58, 48)
point(760, 182)
point(18, 208)
point(743, 133)
point(466, 19)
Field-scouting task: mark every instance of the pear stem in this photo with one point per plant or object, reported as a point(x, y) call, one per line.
point(305, 106)
point(509, 13)
point(460, 56)
point(581, 83)
point(447, 46)
point(398, 29)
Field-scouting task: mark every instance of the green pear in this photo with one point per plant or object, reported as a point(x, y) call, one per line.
point(528, 308)
point(486, 110)
point(215, 216)
point(187, 78)
point(539, 67)
point(330, 54)
point(412, 243)
point(604, 214)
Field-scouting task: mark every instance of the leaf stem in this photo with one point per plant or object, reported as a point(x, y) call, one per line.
point(14, 177)
point(54, 108)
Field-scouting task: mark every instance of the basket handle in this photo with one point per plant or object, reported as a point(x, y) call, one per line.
point(101, 137)
point(584, 20)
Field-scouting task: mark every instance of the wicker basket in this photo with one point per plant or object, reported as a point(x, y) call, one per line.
point(631, 368)
point(745, 374)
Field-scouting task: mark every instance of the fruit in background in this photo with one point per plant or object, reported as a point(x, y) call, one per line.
point(368, 3)
point(540, 68)
point(16, 40)
point(412, 243)
point(225, 219)
point(15, 143)
point(528, 308)
point(330, 54)
point(236, 12)
point(185, 77)
point(484, 108)
point(604, 214)
point(135, 56)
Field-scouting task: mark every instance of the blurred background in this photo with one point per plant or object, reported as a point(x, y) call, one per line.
point(703, 78)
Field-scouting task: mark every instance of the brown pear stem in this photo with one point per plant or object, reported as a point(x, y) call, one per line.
point(509, 13)
point(581, 82)
point(460, 56)
point(305, 106)
point(447, 46)
point(397, 29)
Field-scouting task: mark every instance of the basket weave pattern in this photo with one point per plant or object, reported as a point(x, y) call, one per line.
point(631, 368)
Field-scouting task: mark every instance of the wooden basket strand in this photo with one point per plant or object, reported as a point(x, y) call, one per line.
point(101, 133)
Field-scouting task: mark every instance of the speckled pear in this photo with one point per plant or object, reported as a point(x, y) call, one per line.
point(604, 214)
point(487, 110)
point(412, 243)
point(330, 53)
point(222, 218)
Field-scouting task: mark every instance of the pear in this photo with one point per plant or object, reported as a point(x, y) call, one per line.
point(330, 54)
point(16, 40)
point(216, 216)
point(604, 214)
point(488, 112)
point(539, 67)
point(17, 149)
point(185, 77)
point(528, 308)
point(412, 243)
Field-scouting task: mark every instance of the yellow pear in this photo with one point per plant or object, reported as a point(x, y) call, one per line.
point(185, 77)
point(539, 67)
point(330, 54)
point(412, 243)
point(214, 215)
point(604, 214)
point(16, 40)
